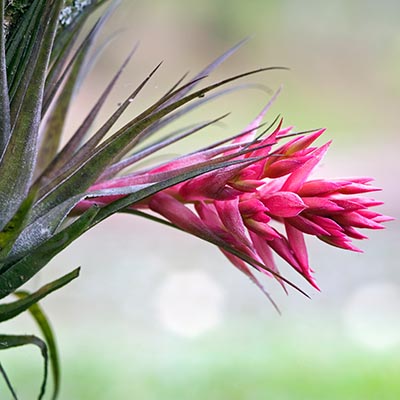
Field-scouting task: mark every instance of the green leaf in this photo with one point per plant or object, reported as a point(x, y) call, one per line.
point(11, 310)
point(16, 274)
point(9, 341)
point(17, 164)
point(21, 43)
point(44, 325)
point(5, 124)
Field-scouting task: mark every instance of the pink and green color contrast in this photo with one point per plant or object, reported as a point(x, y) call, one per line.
point(263, 204)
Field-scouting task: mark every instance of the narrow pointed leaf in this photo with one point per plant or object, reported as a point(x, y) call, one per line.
point(21, 68)
point(20, 44)
point(10, 341)
point(54, 127)
point(57, 166)
point(5, 124)
point(151, 149)
point(8, 383)
point(54, 78)
point(206, 71)
point(11, 310)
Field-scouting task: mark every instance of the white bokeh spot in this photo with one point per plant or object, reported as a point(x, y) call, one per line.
point(189, 303)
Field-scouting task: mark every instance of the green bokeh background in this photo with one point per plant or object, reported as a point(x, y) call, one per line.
point(344, 60)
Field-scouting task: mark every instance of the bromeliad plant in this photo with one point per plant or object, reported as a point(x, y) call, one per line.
point(227, 194)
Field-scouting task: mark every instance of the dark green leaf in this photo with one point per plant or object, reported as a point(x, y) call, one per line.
point(9, 341)
point(20, 44)
point(55, 124)
point(21, 271)
point(17, 164)
point(61, 161)
point(11, 310)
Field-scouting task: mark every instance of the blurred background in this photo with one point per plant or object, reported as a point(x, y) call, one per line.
point(157, 314)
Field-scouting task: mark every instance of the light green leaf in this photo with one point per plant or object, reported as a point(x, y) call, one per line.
point(44, 325)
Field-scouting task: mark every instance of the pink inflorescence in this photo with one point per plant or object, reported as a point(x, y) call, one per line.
point(241, 206)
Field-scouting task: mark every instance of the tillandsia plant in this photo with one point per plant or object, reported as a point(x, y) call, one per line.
point(234, 194)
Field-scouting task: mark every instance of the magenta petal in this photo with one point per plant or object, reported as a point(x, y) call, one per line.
point(262, 229)
point(284, 204)
point(306, 225)
point(301, 142)
point(319, 187)
point(250, 207)
point(179, 214)
point(357, 220)
point(320, 205)
point(295, 181)
point(297, 243)
point(230, 216)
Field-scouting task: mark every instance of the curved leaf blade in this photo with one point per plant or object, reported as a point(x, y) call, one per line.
point(45, 327)
point(10, 341)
